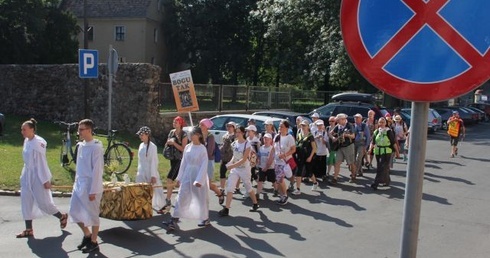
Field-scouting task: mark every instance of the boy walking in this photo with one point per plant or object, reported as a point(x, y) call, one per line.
point(87, 189)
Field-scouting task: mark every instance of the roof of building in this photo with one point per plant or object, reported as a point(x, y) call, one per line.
point(108, 8)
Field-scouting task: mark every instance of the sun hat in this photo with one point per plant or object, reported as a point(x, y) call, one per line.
point(144, 130)
point(315, 115)
point(398, 118)
point(206, 122)
point(251, 128)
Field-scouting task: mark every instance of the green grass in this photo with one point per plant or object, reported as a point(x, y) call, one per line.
point(11, 162)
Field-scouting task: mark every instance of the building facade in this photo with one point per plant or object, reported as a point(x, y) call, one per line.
point(132, 27)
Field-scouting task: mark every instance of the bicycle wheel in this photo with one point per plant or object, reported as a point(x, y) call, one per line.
point(118, 158)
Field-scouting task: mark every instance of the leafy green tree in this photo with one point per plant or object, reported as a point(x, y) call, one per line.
point(36, 31)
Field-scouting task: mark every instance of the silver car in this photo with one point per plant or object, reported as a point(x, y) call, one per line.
point(219, 123)
point(434, 122)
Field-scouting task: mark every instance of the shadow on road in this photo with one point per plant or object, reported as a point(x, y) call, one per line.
point(48, 247)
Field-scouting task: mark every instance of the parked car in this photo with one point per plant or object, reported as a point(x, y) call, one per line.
point(350, 103)
point(219, 123)
point(434, 122)
point(289, 115)
point(482, 106)
point(2, 123)
point(463, 114)
point(481, 113)
point(475, 116)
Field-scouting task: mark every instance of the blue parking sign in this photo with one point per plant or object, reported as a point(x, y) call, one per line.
point(88, 63)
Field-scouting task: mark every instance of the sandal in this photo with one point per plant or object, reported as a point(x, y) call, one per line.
point(25, 233)
point(221, 196)
point(63, 220)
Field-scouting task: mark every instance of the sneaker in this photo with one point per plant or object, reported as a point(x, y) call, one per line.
point(84, 243)
point(405, 158)
point(374, 186)
point(291, 187)
point(166, 208)
point(255, 207)
point(352, 179)
point(283, 200)
point(204, 223)
point(297, 192)
point(237, 191)
point(452, 155)
point(456, 151)
point(333, 181)
point(276, 193)
point(221, 196)
point(171, 224)
point(314, 187)
point(224, 212)
point(91, 247)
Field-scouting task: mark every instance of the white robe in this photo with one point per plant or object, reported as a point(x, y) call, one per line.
point(148, 168)
point(193, 202)
point(36, 201)
point(88, 180)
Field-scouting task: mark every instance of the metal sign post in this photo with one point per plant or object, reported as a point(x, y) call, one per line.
point(112, 64)
point(415, 179)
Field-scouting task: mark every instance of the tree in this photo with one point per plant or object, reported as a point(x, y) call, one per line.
point(36, 31)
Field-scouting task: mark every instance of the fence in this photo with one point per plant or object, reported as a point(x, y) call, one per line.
point(245, 97)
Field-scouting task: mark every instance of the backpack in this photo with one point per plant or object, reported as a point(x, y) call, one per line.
point(216, 152)
point(252, 158)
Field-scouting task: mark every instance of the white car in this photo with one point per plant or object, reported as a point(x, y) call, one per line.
point(219, 123)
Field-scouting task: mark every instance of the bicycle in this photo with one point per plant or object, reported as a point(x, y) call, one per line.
point(67, 154)
point(117, 156)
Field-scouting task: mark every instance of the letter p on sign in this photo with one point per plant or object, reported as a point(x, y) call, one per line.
point(88, 63)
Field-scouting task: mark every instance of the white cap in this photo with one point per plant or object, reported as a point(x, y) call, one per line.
point(358, 115)
point(304, 122)
point(315, 115)
point(268, 122)
point(251, 128)
point(341, 115)
point(319, 122)
point(268, 135)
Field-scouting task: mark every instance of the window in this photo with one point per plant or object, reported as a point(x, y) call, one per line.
point(90, 33)
point(155, 35)
point(120, 33)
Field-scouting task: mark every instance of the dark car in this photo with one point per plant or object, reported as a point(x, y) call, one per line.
point(289, 115)
point(2, 123)
point(482, 106)
point(434, 119)
point(468, 118)
point(348, 108)
point(481, 113)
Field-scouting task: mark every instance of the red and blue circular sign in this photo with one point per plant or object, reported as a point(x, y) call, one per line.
point(419, 50)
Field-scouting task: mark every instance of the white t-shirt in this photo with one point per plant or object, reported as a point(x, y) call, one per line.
point(264, 153)
point(282, 146)
point(321, 147)
point(238, 151)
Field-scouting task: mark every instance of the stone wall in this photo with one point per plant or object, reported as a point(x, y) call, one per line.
point(55, 92)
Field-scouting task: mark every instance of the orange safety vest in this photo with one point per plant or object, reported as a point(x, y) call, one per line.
point(453, 127)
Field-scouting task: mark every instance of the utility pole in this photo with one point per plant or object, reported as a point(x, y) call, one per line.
point(85, 46)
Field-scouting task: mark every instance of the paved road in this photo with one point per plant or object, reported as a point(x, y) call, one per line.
point(345, 221)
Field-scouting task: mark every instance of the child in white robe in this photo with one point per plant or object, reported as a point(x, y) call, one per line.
point(35, 192)
point(148, 166)
point(193, 199)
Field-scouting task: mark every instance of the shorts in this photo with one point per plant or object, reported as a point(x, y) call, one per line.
point(454, 141)
point(282, 171)
point(269, 174)
point(346, 153)
point(174, 169)
point(222, 170)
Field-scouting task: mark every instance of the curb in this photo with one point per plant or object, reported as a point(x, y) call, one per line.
point(17, 193)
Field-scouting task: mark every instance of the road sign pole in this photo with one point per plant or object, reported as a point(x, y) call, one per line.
point(109, 71)
point(415, 179)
